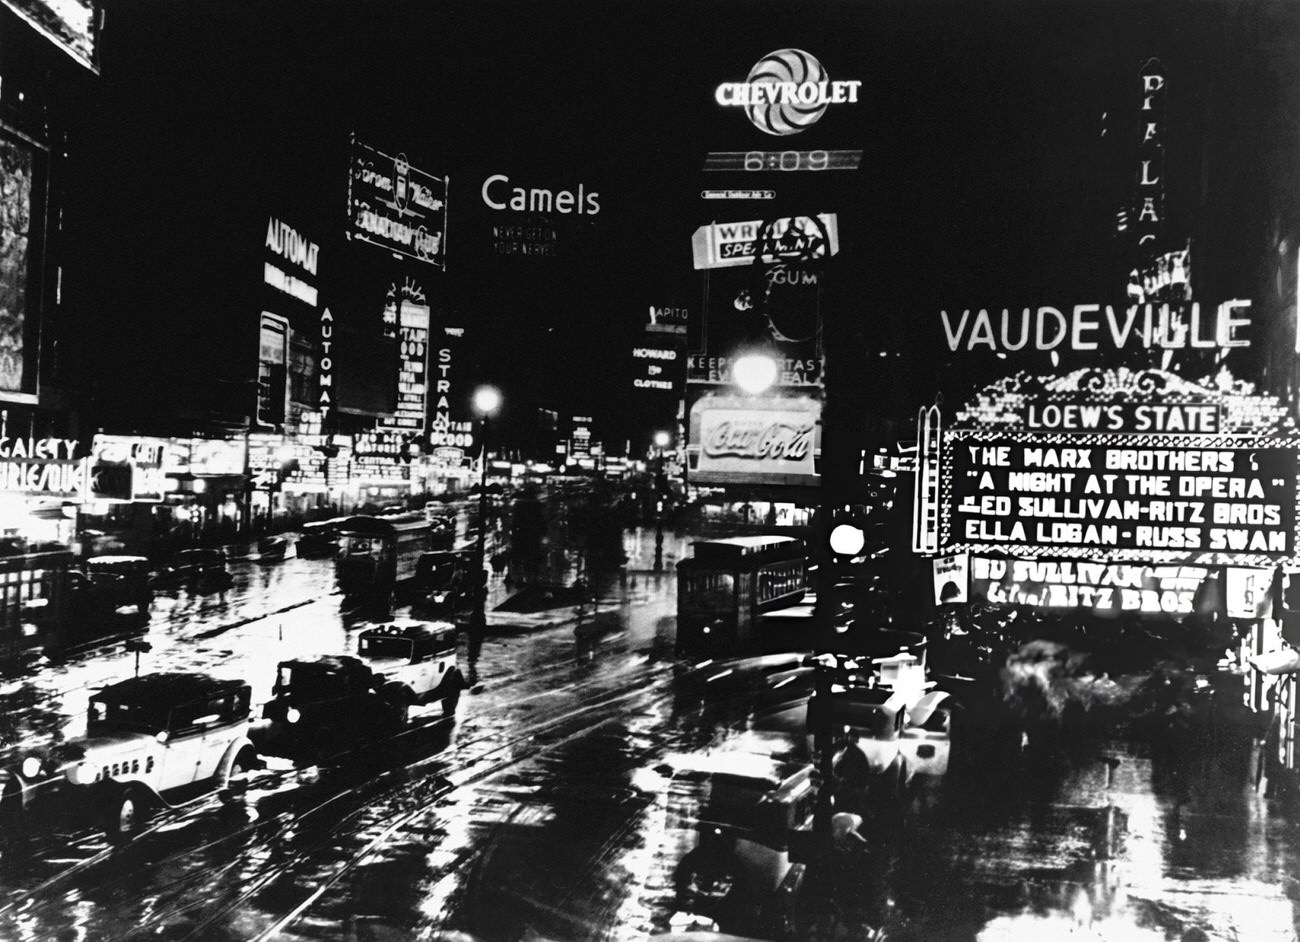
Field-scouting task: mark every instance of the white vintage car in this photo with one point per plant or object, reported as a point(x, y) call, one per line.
point(323, 704)
point(147, 739)
point(885, 721)
point(416, 660)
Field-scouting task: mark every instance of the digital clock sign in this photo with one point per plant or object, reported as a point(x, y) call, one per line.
point(783, 160)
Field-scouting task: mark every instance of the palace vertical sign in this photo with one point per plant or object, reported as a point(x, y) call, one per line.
point(1149, 196)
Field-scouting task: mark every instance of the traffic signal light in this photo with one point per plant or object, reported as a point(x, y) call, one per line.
point(854, 533)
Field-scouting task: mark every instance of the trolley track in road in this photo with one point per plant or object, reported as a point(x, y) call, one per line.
point(346, 809)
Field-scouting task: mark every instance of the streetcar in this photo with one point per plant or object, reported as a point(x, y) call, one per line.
point(378, 556)
point(725, 586)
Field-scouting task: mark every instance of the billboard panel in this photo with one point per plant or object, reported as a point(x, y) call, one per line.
point(406, 313)
point(1100, 587)
point(753, 440)
point(1115, 493)
point(69, 24)
point(396, 206)
point(16, 176)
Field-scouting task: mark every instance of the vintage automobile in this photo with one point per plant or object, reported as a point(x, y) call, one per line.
point(98, 590)
point(740, 875)
point(318, 540)
point(885, 724)
point(147, 739)
point(443, 581)
point(203, 570)
point(321, 705)
point(272, 549)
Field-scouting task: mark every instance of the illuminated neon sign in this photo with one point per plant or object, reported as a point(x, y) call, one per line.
point(787, 91)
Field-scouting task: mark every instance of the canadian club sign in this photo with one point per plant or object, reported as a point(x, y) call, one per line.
point(735, 439)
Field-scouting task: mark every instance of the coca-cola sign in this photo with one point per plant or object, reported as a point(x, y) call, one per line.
point(742, 439)
point(758, 439)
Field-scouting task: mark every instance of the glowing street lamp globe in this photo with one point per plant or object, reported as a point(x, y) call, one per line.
point(487, 399)
point(662, 439)
point(754, 373)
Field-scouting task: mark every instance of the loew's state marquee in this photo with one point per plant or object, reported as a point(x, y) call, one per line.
point(1114, 490)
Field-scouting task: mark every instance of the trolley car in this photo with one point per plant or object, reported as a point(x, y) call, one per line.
point(378, 556)
point(727, 584)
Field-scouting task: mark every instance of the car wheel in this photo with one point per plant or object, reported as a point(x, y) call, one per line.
point(452, 698)
point(11, 818)
point(236, 784)
point(399, 711)
point(127, 814)
point(396, 701)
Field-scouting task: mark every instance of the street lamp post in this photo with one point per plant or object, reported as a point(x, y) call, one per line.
point(486, 401)
point(661, 442)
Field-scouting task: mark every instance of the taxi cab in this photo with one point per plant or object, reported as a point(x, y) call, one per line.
point(147, 740)
point(324, 704)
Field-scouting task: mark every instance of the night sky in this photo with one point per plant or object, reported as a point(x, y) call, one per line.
point(999, 141)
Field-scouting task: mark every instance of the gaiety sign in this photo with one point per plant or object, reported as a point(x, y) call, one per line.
point(45, 466)
point(787, 91)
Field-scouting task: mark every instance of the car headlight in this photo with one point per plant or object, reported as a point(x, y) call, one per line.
point(31, 766)
point(292, 715)
point(83, 773)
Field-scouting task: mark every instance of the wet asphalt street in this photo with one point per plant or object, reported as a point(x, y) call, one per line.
point(544, 809)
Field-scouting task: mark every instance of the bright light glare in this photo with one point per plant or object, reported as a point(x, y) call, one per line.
point(847, 540)
point(487, 399)
point(754, 373)
point(662, 439)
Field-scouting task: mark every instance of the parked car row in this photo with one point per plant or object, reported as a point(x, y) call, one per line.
point(885, 728)
point(162, 737)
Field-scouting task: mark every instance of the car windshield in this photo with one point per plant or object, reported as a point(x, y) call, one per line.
point(310, 680)
point(135, 717)
point(381, 646)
